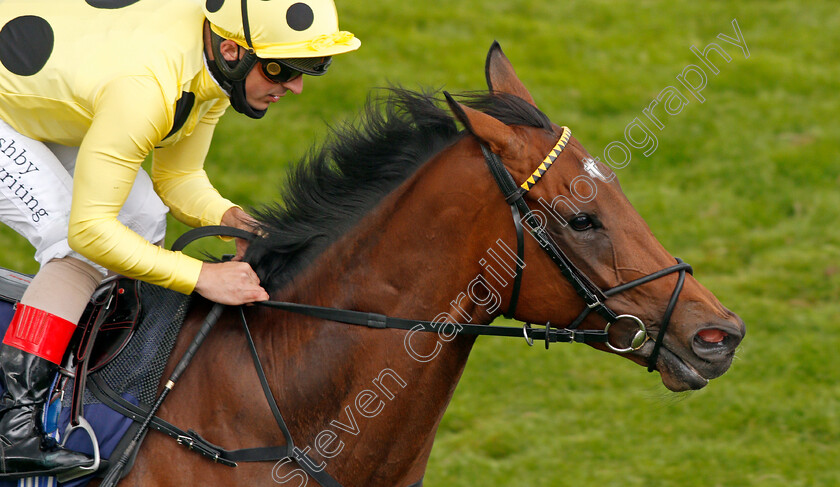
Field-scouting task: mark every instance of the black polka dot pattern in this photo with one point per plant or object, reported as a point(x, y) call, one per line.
point(300, 16)
point(214, 5)
point(110, 4)
point(26, 44)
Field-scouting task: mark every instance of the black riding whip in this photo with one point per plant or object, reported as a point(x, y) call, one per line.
point(116, 470)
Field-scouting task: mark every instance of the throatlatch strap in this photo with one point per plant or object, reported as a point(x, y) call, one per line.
point(520, 259)
point(40, 333)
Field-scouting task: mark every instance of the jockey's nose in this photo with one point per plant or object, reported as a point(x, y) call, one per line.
point(294, 85)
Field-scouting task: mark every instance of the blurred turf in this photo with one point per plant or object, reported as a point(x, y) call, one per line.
point(744, 186)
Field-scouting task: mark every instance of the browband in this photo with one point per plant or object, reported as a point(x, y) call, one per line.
point(548, 161)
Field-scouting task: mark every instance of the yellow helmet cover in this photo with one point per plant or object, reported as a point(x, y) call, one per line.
point(281, 28)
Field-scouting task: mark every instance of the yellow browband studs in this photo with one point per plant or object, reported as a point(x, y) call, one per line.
point(548, 161)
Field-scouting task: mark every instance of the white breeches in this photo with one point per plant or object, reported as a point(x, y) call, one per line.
point(36, 188)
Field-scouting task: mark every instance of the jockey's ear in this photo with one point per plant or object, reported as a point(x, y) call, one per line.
point(229, 50)
point(501, 77)
point(499, 137)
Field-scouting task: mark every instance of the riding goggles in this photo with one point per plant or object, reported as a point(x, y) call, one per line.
point(283, 70)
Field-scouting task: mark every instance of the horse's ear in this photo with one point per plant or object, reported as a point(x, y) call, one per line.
point(501, 77)
point(500, 137)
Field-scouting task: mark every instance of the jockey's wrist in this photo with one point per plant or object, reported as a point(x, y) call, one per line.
point(237, 217)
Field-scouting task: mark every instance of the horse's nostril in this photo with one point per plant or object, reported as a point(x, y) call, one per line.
point(717, 342)
point(712, 335)
point(714, 345)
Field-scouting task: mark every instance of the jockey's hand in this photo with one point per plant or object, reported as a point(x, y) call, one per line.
point(231, 283)
point(236, 217)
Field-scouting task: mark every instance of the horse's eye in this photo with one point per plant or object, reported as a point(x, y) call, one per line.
point(581, 223)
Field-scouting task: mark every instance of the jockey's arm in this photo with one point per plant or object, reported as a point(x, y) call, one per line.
point(181, 182)
point(109, 157)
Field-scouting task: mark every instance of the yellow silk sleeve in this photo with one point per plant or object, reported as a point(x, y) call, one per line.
point(130, 117)
point(179, 179)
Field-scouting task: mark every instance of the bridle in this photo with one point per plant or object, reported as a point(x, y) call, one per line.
point(593, 296)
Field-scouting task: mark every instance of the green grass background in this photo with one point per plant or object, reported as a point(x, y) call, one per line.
point(744, 187)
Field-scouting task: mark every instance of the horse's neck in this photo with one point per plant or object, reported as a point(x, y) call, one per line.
point(409, 258)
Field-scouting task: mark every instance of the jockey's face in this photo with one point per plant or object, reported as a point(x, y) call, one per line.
point(260, 92)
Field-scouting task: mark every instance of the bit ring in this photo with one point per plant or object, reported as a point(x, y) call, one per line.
point(639, 339)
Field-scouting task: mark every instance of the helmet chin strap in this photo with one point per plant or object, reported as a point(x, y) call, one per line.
point(231, 74)
point(239, 102)
point(232, 70)
point(232, 77)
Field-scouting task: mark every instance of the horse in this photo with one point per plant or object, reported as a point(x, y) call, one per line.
point(399, 215)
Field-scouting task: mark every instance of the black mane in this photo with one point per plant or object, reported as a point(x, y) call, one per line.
point(332, 188)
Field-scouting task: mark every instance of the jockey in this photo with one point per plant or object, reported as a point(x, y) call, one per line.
point(87, 91)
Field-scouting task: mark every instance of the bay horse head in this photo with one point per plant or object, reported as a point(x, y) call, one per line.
point(593, 262)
